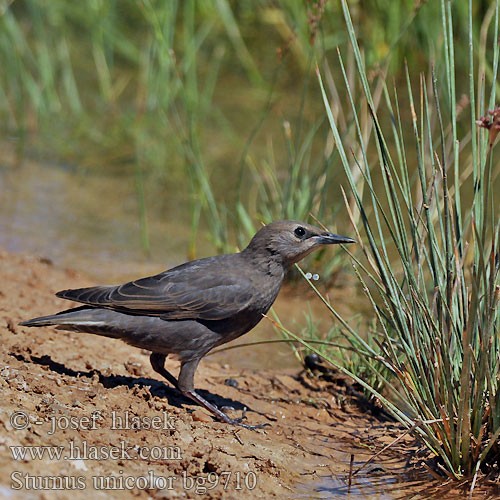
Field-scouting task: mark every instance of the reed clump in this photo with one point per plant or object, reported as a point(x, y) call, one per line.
point(430, 252)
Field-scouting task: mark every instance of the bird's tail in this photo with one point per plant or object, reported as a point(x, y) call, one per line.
point(135, 329)
point(88, 319)
point(41, 321)
point(73, 317)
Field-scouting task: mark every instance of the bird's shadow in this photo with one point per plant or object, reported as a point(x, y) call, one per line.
point(156, 387)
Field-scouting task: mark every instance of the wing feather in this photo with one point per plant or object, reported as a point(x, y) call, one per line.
point(208, 289)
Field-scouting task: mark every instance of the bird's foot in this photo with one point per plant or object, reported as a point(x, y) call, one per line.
point(239, 421)
point(220, 415)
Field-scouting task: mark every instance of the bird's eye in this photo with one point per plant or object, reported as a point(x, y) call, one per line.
point(300, 232)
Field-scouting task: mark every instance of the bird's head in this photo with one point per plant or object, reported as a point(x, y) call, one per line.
point(288, 241)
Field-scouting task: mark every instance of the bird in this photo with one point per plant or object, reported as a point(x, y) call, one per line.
point(192, 308)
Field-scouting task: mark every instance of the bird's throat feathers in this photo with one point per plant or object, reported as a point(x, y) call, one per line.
point(266, 260)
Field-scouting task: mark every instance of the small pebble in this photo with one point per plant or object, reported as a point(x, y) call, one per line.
point(311, 361)
point(231, 382)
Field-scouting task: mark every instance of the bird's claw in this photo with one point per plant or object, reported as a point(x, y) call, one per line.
point(243, 414)
point(239, 421)
point(251, 427)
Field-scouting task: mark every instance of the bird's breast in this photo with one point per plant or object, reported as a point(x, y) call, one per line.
point(265, 293)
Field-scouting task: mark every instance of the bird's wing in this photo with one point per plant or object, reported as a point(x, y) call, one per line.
point(195, 290)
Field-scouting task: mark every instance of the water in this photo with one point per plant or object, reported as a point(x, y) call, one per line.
point(85, 222)
point(386, 478)
point(371, 486)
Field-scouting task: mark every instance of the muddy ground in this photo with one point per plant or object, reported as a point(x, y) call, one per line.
point(73, 393)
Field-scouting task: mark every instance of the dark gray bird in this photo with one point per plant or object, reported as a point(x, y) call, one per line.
point(192, 308)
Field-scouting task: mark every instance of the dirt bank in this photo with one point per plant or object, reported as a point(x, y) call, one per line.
point(118, 427)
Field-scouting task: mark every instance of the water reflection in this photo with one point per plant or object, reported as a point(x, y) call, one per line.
point(85, 222)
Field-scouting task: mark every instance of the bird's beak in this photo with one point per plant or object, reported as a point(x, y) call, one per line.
point(330, 238)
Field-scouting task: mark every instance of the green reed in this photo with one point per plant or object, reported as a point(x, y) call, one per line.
point(430, 247)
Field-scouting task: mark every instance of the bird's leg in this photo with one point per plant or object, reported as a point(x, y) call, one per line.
point(186, 386)
point(158, 363)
